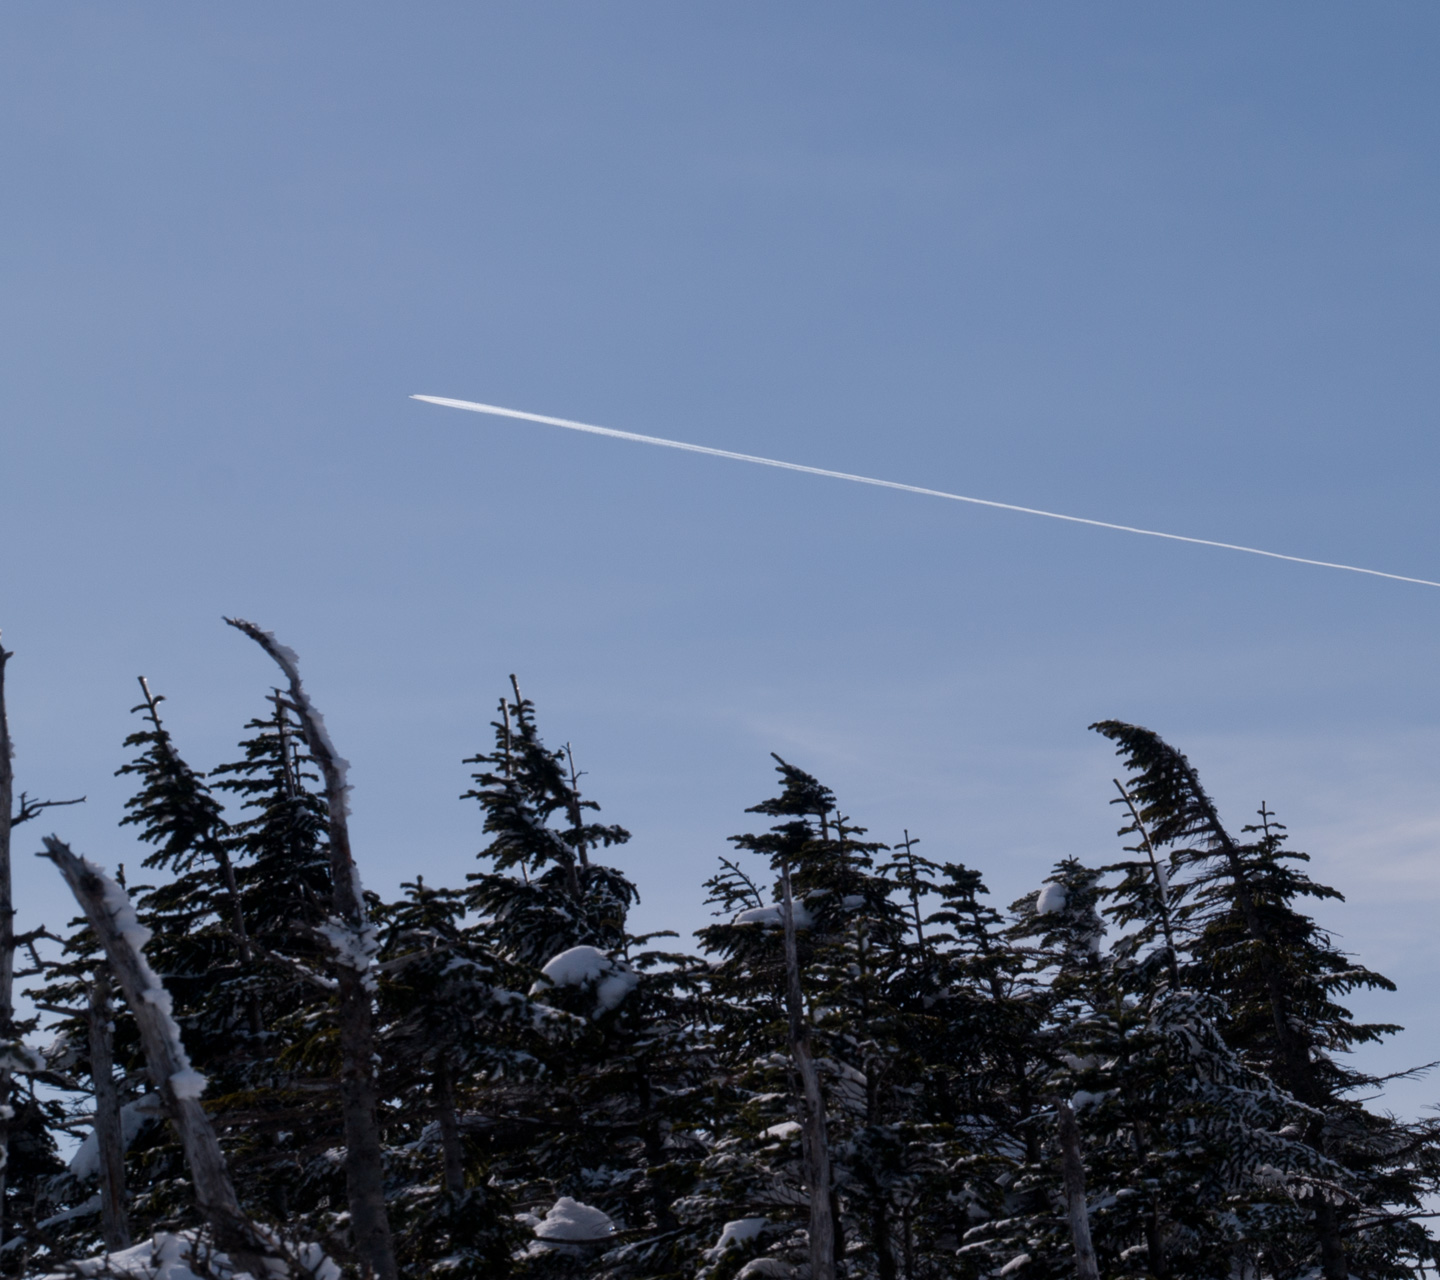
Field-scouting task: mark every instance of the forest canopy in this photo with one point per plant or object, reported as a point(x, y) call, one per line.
point(240, 1060)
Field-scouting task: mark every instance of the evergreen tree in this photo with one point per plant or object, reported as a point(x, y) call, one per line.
point(561, 899)
point(450, 1019)
point(863, 1006)
point(1186, 1158)
point(1280, 975)
point(986, 1059)
point(604, 1115)
point(1140, 1071)
point(233, 927)
point(201, 943)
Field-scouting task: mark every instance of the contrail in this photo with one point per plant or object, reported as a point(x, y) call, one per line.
point(903, 488)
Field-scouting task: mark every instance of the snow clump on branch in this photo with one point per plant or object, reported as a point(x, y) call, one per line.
point(355, 947)
point(1050, 900)
point(134, 1116)
point(590, 968)
point(570, 1222)
point(734, 1234)
point(185, 1256)
point(776, 916)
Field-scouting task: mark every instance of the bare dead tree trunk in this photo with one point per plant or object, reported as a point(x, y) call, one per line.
point(109, 1133)
point(353, 939)
point(111, 918)
point(1073, 1166)
point(812, 1103)
point(10, 817)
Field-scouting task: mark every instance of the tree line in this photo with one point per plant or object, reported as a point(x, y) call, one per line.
point(869, 1071)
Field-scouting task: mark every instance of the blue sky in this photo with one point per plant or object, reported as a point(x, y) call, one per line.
point(1171, 266)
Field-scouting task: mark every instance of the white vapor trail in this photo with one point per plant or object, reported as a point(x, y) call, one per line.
point(475, 407)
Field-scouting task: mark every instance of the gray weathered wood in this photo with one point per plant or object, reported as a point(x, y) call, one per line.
point(1072, 1164)
point(232, 1229)
point(359, 1094)
point(109, 1133)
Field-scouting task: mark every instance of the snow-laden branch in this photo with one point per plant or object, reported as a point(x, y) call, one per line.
point(354, 946)
point(124, 925)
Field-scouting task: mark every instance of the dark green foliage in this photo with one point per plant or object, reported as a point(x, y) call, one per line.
point(871, 1002)
point(450, 1016)
point(1278, 975)
point(1179, 1000)
point(280, 848)
point(560, 898)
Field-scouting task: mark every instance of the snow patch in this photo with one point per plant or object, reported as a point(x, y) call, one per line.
point(785, 1129)
point(188, 1084)
point(181, 1256)
point(355, 946)
point(738, 1232)
point(733, 1235)
point(21, 1058)
point(615, 988)
point(134, 1116)
point(589, 967)
point(1049, 901)
point(571, 1221)
point(577, 967)
point(776, 916)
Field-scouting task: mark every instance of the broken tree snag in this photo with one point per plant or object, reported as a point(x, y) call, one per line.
point(1073, 1165)
point(10, 818)
point(109, 1135)
point(354, 943)
point(121, 936)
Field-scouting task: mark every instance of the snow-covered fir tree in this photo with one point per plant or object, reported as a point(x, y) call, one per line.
point(1279, 977)
point(1140, 1071)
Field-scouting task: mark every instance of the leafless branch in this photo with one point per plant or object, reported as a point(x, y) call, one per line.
point(32, 808)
